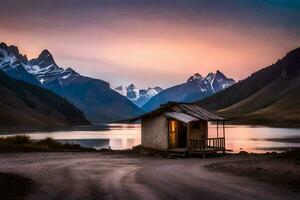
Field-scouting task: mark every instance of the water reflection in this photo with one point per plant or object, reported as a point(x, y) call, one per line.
point(93, 143)
point(123, 136)
point(257, 138)
point(115, 136)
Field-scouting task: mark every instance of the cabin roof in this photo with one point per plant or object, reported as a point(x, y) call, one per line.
point(181, 116)
point(183, 112)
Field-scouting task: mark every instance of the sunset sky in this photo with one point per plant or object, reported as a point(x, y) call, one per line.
point(153, 43)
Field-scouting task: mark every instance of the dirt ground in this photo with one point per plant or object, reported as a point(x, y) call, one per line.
point(15, 187)
point(89, 176)
point(282, 169)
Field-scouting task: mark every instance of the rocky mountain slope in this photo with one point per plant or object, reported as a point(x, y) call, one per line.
point(24, 104)
point(195, 88)
point(94, 97)
point(138, 96)
point(269, 96)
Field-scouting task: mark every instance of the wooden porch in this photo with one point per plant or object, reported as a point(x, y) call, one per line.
point(209, 145)
point(188, 134)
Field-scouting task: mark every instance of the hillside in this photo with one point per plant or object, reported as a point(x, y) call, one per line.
point(24, 104)
point(100, 104)
point(269, 96)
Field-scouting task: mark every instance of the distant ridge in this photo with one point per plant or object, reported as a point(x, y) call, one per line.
point(269, 96)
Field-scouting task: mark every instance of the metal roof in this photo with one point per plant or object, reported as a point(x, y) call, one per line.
point(198, 112)
point(181, 117)
point(189, 109)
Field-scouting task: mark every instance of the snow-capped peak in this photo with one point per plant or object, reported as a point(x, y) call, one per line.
point(132, 92)
point(46, 57)
point(195, 77)
point(43, 68)
point(138, 96)
point(44, 60)
point(10, 57)
point(45, 53)
point(210, 76)
point(219, 81)
point(212, 82)
point(121, 90)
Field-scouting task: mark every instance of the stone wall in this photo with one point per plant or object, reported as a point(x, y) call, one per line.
point(155, 132)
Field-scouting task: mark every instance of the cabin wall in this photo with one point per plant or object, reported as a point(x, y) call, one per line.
point(198, 130)
point(155, 132)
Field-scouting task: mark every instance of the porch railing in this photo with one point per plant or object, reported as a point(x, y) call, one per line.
point(215, 143)
point(196, 144)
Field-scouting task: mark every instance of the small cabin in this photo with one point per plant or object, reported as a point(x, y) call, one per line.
point(181, 127)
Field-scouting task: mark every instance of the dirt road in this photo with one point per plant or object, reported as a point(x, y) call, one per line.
point(90, 176)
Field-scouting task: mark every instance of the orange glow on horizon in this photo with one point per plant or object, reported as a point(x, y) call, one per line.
point(136, 51)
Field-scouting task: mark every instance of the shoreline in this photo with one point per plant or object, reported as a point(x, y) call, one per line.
point(101, 126)
point(233, 120)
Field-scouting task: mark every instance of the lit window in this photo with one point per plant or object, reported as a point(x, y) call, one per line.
point(173, 126)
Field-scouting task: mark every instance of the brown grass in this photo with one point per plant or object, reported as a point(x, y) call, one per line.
point(25, 144)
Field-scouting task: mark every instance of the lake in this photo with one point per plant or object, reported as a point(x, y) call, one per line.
point(122, 136)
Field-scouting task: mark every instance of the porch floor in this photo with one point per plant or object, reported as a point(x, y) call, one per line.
point(206, 150)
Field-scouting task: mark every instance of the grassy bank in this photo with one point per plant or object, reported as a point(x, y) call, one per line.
point(25, 144)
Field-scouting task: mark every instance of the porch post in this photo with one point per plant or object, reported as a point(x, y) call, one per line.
point(217, 129)
point(187, 135)
point(223, 129)
point(168, 133)
point(224, 136)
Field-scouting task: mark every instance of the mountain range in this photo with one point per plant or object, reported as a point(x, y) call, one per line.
point(27, 105)
point(196, 87)
point(93, 96)
point(138, 96)
point(270, 96)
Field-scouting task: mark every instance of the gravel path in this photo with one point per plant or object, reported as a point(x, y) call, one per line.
point(90, 176)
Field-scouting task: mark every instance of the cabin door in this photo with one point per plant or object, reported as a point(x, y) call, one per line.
point(173, 126)
point(182, 135)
